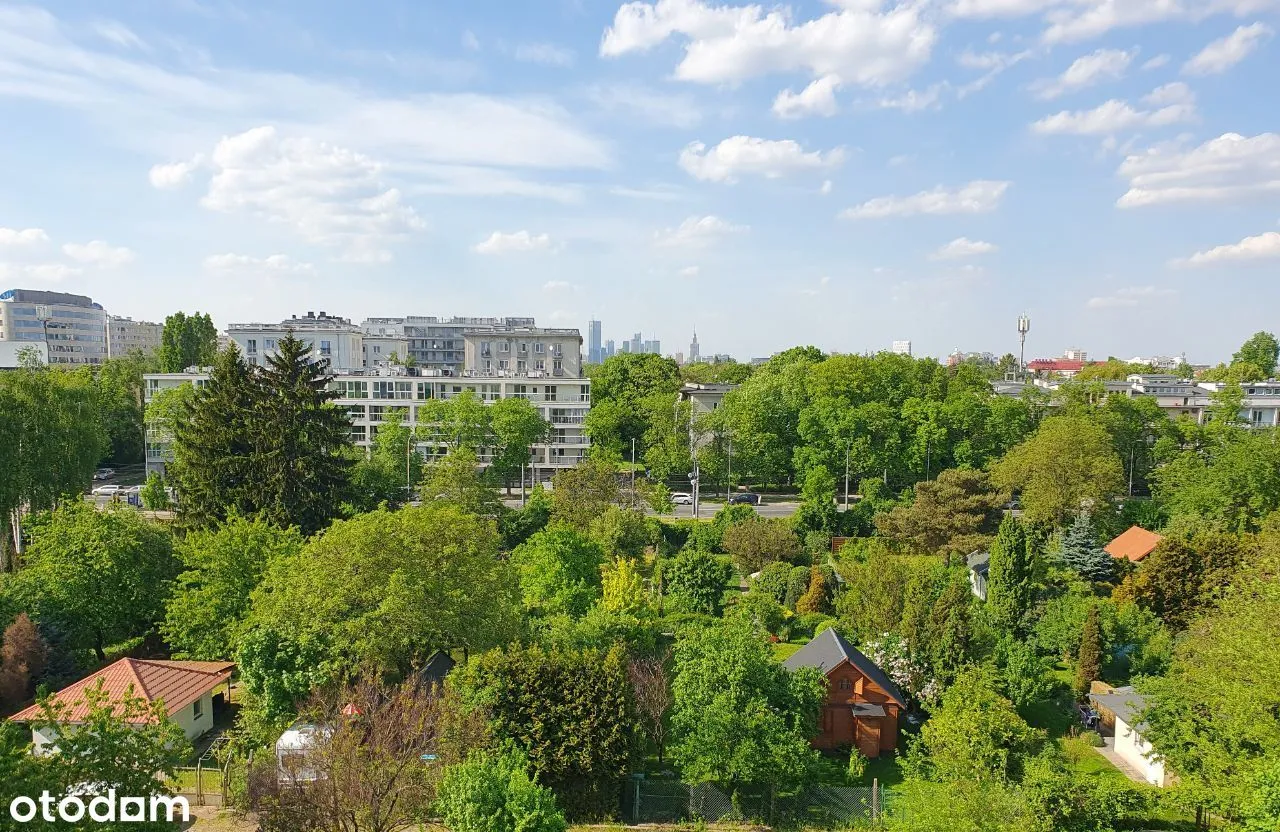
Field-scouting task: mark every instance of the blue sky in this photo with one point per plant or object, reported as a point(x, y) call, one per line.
point(843, 173)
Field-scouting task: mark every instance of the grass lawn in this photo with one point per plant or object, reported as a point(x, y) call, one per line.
point(884, 768)
point(784, 649)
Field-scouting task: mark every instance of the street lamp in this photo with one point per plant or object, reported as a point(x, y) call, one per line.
point(848, 449)
point(693, 480)
point(728, 478)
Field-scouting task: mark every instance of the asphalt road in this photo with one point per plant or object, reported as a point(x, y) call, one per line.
point(708, 509)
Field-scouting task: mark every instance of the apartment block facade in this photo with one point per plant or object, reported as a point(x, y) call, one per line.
point(331, 338)
point(72, 327)
point(523, 351)
point(126, 336)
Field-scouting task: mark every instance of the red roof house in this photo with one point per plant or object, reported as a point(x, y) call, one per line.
point(1134, 544)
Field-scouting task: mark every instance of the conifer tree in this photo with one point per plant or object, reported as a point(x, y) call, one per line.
point(1089, 659)
point(1082, 554)
point(1010, 590)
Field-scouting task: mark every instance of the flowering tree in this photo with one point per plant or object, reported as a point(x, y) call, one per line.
point(893, 655)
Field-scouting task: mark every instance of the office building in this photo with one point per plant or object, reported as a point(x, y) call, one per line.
point(595, 350)
point(331, 338)
point(1076, 354)
point(126, 336)
point(609, 350)
point(72, 327)
point(695, 352)
point(902, 347)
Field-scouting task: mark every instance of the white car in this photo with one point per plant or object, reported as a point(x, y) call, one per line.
point(104, 473)
point(681, 498)
point(106, 491)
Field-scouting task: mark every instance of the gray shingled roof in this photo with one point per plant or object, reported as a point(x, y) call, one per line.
point(827, 650)
point(979, 561)
point(1126, 703)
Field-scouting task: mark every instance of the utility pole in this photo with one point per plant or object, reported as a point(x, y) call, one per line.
point(848, 448)
point(728, 480)
point(633, 465)
point(1024, 326)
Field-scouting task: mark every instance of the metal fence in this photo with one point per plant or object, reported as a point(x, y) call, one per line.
point(672, 801)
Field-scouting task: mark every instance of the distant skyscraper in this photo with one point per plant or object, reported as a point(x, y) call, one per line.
point(902, 347)
point(653, 347)
point(694, 353)
point(594, 353)
point(636, 344)
point(609, 349)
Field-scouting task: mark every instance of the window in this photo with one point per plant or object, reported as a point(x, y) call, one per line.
point(376, 349)
point(504, 364)
point(197, 708)
point(486, 348)
point(845, 684)
point(522, 366)
point(251, 346)
point(268, 343)
point(539, 364)
point(505, 346)
point(326, 348)
point(539, 347)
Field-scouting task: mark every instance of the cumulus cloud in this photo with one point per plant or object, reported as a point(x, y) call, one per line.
point(500, 243)
point(98, 253)
point(1228, 167)
point(913, 101)
point(744, 155)
point(1169, 104)
point(857, 43)
point(964, 247)
point(22, 237)
point(1224, 53)
point(556, 286)
point(1261, 247)
point(276, 264)
point(174, 174)
point(1087, 71)
point(1129, 296)
point(977, 197)
point(817, 99)
point(697, 231)
point(546, 54)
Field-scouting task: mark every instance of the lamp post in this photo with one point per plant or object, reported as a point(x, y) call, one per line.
point(633, 465)
point(693, 480)
point(848, 449)
point(728, 477)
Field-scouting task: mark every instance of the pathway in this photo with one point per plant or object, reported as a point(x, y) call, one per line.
point(1109, 751)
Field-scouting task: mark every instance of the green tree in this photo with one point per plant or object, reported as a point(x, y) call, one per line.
point(517, 426)
point(1089, 659)
point(759, 541)
point(187, 341)
point(971, 806)
point(1081, 553)
point(559, 571)
point(279, 669)
point(99, 576)
point(460, 421)
point(523, 523)
point(1234, 481)
point(1069, 463)
point(623, 591)
point(975, 734)
point(1262, 350)
point(584, 492)
point(694, 581)
point(570, 711)
point(1010, 582)
point(950, 634)
point(739, 718)
point(1183, 573)
point(491, 792)
point(621, 532)
point(205, 615)
point(954, 514)
point(457, 478)
point(628, 391)
point(118, 385)
point(154, 495)
point(393, 468)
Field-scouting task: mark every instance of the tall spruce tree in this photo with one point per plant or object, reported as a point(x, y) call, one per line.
point(1082, 554)
point(1010, 591)
point(212, 450)
point(302, 471)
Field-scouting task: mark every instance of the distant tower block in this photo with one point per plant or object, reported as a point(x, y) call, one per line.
point(1024, 326)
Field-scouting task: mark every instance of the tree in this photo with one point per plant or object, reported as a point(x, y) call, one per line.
point(1089, 659)
point(458, 478)
point(523, 523)
point(460, 421)
point(1262, 350)
point(961, 807)
point(694, 581)
point(623, 591)
point(621, 532)
point(386, 589)
point(954, 514)
point(875, 590)
point(584, 492)
point(1069, 463)
point(1081, 553)
point(975, 734)
point(187, 341)
point(23, 656)
point(950, 633)
point(569, 710)
point(491, 792)
point(1234, 481)
point(739, 718)
point(517, 426)
point(206, 614)
point(118, 386)
point(628, 390)
point(651, 692)
point(393, 467)
point(301, 466)
point(817, 598)
point(1010, 586)
point(100, 576)
point(154, 495)
point(758, 541)
point(1181, 575)
point(1023, 679)
point(559, 571)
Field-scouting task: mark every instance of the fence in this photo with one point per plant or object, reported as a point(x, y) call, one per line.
point(201, 785)
point(671, 801)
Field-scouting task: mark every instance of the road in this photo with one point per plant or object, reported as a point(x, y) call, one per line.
point(708, 509)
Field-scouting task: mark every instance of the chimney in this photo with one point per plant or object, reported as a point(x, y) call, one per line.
point(322, 313)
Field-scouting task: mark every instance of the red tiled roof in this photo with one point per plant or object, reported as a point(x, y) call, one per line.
point(1134, 544)
point(1055, 364)
point(178, 684)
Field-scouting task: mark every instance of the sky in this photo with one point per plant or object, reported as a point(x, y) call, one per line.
point(843, 173)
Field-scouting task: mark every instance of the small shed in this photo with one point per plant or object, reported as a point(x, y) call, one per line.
point(436, 669)
point(1119, 710)
point(979, 563)
point(294, 763)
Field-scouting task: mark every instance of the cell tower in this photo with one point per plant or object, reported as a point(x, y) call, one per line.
point(1024, 326)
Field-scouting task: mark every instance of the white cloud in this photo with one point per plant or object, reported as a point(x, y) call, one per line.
point(119, 34)
point(817, 99)
point(689, 271)
point(963, 247)
point(857, 43)
point(42, 272)
point(174, 174)
point(913, 101)
point(977, 197)
point(1129, 296)
point(276, 264)
point(696, 231)
point(1087, 71)
point(1078, 20)
point(546, 54)
point(556, 286)
point(744, 155)
point(500, 243)
point(328, 195)
point(1260, 247)
point(1228, 167)
point(1156, 62)
point(470, 41)
point(98, 253)
point(826, 187)
point(1171, 104)
point(1224, 53)
point(23, 237)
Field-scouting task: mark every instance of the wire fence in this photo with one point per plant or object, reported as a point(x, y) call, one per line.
point(672, 801)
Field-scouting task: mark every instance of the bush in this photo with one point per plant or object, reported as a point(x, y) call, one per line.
point(1093, 738)
point(495, 793)
point(857, 767)
point(797, 586)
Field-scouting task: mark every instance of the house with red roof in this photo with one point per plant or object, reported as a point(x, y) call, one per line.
point(184, 688)
point(1134, 544)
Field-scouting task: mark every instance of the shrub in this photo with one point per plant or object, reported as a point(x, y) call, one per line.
point(1093, 738)
point(495, 793)
point(857, 767)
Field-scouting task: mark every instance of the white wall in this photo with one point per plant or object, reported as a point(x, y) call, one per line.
point(45, 739)
point(1134, 749)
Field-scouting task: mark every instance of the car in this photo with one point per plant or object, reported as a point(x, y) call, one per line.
point(682, 498)
point(104, 473)
point(106, 491)
point(133, 490)
point(744, 500)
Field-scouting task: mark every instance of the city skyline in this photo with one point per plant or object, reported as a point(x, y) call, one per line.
point(962, 162)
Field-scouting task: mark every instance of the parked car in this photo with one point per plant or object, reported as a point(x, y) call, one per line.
point(132, 491)
point(104, 473)
point(106, 491)
point(682, 498)
point(744, 500)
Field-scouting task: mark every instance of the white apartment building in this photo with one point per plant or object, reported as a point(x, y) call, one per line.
point(368, 396)
point(902, 347)
point(72, 327)
point(330, 337)
point(433, 343)
point(523, 351)
point(125, 336)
